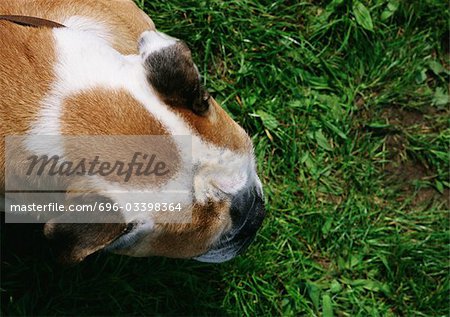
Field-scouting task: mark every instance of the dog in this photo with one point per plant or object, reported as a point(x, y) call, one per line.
point(109, 72)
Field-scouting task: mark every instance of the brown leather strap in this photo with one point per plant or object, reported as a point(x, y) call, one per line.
point(31, 21)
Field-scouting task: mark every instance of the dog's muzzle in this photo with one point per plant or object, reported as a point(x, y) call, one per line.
point(247, 215)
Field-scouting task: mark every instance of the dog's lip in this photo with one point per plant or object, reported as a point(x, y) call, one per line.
point(228, 247)
point(225, 253)
point(119, 242)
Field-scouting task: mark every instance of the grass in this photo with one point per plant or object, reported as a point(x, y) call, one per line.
point(347, 104)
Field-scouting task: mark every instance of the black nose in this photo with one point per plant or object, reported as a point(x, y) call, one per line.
point(247, 213)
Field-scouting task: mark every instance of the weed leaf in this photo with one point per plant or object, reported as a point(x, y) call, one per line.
point(322, 141)
point(421, 76)
point(327, 306)
point(439, 186)
point(327, 226)
point(436, 67)
point(268, 120)
point(390, 10)
point(314, 293)
point(335, 287)
point(362, 16)
point(440, 97)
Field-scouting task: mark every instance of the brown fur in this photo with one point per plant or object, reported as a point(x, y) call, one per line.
point(125, 20)
point(217, 128)
point(26, 73)
point(117, 114)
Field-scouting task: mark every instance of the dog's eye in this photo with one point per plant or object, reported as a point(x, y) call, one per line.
point(206, 97)
point(202, 105)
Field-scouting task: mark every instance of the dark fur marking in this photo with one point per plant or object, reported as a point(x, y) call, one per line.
point(171, 71)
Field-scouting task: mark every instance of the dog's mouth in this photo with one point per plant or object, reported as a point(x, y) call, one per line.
point(127, 239)
point(225, 250)
point(237, 240)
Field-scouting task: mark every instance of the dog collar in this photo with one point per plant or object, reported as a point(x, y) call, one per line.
point(31, 21)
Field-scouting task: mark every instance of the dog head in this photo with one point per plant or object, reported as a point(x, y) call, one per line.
point(226, 198)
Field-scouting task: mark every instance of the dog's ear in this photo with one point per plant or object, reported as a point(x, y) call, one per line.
point(74, 236)
point(172, 72)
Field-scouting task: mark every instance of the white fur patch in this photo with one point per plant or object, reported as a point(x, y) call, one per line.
point(153, 41)
point(91, 26)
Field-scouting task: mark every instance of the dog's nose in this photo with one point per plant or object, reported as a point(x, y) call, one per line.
point(247, 212)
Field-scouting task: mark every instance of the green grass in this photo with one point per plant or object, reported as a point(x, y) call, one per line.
point(350, 120)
